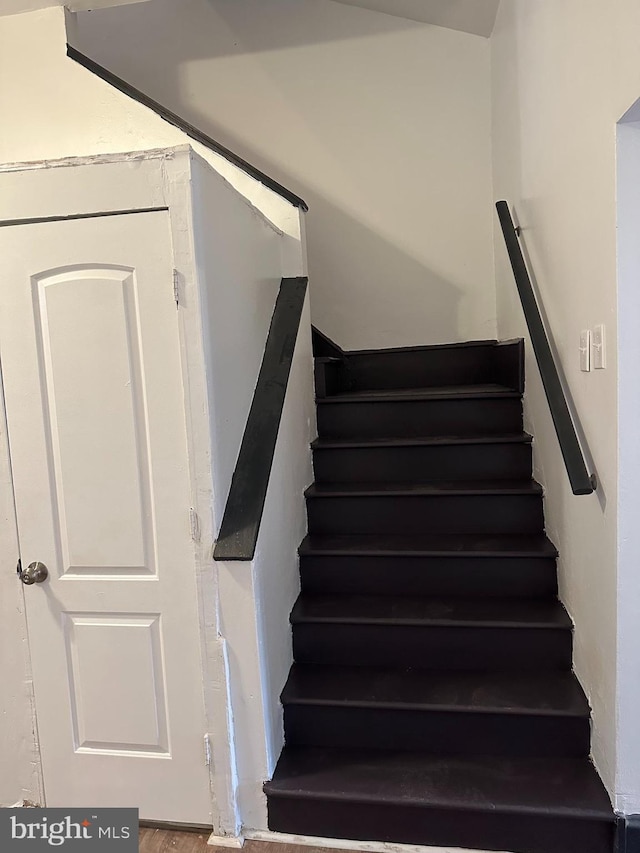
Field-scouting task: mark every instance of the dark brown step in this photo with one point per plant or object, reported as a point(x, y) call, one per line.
point(538, 713)
point(488, 409)
point(437, 565)
point(525, 805)
point(432, 633)
point(421, 392)
point(472, 362)
point(418, 459)
point(483, 507)
point(436, 544)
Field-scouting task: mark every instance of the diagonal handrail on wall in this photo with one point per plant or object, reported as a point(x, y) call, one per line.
point(183, 125)
point(582, 483)
point(245, 503)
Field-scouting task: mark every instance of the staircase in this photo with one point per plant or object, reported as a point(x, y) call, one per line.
point(432, 700)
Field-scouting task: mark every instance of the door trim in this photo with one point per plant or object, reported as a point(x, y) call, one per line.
point(15, 636)
point(39, 219)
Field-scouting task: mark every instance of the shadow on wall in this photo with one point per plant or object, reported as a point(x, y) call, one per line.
point(394, 291)
point(364, 274)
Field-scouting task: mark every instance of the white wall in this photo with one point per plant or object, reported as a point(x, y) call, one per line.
point(54, 108)
point(239, 260)
point(284, 525)
point(563, 74)
point(381, 124)
point(240, 267)
point(628, 663)
point(470, 16)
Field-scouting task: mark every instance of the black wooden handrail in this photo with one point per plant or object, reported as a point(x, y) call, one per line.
point(245, 502)
point(177, 121)
point(582, 483)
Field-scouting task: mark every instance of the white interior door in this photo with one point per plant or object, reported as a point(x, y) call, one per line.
point(90, 359)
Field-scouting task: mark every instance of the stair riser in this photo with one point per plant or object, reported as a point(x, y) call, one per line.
point(465, 576)
point(436, 732)
point(415, 514)
point(416, 464)
point(417, 418)
point(329, 377)
point(468, 365)
point(413, 824)
point(432, 647)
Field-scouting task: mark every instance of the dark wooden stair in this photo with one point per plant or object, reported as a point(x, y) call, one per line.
point(429, 564)
point(432, 700)
point(540, 805)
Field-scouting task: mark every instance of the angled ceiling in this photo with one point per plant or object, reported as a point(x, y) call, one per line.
point(470, 16)
point(14, 7)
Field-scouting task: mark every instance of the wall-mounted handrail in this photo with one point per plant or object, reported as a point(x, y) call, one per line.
point(245, 502)
point(582, 483)
point(177, 121)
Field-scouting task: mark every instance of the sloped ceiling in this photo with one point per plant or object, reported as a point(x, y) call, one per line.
point(14, 7)
point(470, 16)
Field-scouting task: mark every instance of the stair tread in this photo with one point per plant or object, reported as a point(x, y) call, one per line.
point(429, 545)
point(427, 610)
point(455, 345)
point(436, 392)
point(430, 487)
point(427, 441)
point(561, 787)
point(539, 693)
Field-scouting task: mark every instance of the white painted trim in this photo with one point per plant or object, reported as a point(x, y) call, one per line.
point(349, 844)
point(43, 189)
point(177, 178)
point(14, 636)
point(236, 842)
point(91, 160)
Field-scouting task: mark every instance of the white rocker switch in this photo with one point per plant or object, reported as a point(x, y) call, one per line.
point(585, 350)
point(599, 349)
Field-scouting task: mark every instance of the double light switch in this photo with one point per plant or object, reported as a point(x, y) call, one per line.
point(592, 349)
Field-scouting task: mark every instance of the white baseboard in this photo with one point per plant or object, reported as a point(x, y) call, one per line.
point(233, 841)
point(348, 844)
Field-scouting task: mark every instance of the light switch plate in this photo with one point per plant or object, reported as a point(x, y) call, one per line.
point(599, 348)
point(585, 350)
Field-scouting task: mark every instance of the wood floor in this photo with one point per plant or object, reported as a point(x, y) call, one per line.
point(168, 841)
point(165, 840)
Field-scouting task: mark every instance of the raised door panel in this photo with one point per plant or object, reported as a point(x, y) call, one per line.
point(97, 425)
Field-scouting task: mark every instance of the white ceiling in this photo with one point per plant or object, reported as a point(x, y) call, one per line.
point(470, 16)
point(14, 7)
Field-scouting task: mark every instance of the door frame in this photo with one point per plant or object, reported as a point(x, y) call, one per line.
point(18, 702)
point(127, 183)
